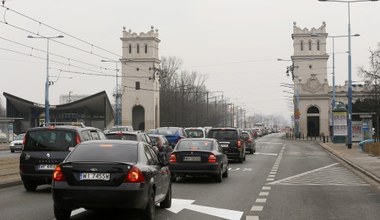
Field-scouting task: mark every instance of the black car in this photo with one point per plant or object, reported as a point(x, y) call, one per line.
point(45, 147)
point(231, 140)
point(198, 156)
point(111, 174)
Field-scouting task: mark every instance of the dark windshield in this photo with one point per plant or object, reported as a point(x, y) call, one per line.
point(50, 140)
point(223, 134)
point(104, 152)
point(121, 136)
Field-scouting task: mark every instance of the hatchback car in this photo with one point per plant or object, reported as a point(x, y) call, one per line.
point(198, 156)
point(231, 140)
point(172, 134)
point(195, 132)
point(17, 143)
point(47, 146)
point(250, 143)
point(111, 174)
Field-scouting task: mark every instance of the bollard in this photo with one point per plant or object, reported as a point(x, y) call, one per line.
point(324, 140)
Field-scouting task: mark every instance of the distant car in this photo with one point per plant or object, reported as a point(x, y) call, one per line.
point(231, 140)
point(47, 146)
point(17, 143)
point(172, 134)
point(132, 136)
point(108, 174)
point(250, 143)
point(195, 132)
point(198, 156)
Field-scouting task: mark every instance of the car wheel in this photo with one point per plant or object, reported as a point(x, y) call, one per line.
point(244, 157)
point(240, 159)
point(173, 178)
point(150, 211)
point(30, 186)
point(218, 178)
point(61, 214)
point(167, 203)
point(225, 174)
point(12, 151)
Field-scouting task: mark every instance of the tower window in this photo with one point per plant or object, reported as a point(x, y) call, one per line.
point(309, 44)
point(137, 85)
point(301, 45)
point(130, 48)
point(318, 45)
point(138, 48)
point(146, 48)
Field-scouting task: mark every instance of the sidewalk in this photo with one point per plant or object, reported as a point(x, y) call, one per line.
point(368, 165)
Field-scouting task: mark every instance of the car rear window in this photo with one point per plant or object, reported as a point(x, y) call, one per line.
point(223, 134)
point(194, 133)
point(50, 140)
point(104, 152)
point(167, 131)
point(194, 145)
point(121, 136)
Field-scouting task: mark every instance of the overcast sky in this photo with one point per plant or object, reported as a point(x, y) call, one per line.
point(236, 43)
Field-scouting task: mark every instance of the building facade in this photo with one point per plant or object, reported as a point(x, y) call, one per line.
point(140, 86)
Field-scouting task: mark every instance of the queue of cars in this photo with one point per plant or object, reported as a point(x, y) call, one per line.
point(91, 169)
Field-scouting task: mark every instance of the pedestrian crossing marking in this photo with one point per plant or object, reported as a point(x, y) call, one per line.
point(333, 174)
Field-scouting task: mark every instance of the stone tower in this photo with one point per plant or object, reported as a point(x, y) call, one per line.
point(309, 74)
point(140, 83)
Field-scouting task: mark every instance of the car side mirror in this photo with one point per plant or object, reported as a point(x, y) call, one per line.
point(163, 159)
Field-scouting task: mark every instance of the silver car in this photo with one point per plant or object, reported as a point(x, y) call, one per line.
point(17, 143)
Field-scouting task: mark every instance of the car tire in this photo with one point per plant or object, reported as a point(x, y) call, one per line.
point(61, 214)
point(150, 211)
point(218, 178)
point(12, 151)
point(167, 202)
point(240, 159)
point(225, 174)
point(30, 186)
point(173, 178)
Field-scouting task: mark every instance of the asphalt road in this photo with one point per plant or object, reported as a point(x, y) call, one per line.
point(283, 180)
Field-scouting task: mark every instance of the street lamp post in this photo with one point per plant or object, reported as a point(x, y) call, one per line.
point(349, 89)
point(47, 83)
point(333, 74)
point(117, 94)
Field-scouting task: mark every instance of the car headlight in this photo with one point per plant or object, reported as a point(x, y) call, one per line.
point(12, 144)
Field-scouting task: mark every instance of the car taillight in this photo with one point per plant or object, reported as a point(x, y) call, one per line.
point(134, 176)
point(211, 158)
point(238, 144)
point(172, 158)
point(77, 139)
point(58, 174)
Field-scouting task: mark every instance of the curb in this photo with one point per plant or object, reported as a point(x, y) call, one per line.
point(10, 183)
point(362, 170)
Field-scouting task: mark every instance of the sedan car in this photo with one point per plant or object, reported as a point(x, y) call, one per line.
point(17, 143)
point(198, 156)
point(107, 174)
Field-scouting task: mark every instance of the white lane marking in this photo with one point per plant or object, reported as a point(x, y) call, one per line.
point(302, 174)
point(270, 179)
point(231, 169)
point(267, 188)
point(264, 194)
point(251, 217)
point(269, 154)
point(271, 176)
point(263, 142)
point(180, 204)
point(273, 173)
point(261, 200)
point(257, 208)
point(247, 169)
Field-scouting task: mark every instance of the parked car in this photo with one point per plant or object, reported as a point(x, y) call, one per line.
point(250, 143)
point(198, 156)
point(172, 134)
point(47, 146)
point(231, 140)
point(17, 143)
point(195, 132)
point(108, 174)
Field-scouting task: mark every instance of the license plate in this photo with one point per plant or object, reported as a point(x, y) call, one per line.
point(192, 159)
point(224, 145)
point(46, 166)
point(95, 176)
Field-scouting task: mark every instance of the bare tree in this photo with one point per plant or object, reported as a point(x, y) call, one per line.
point(372, 75)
